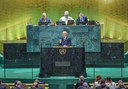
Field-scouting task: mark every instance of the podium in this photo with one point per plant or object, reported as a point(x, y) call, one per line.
point(62, 61)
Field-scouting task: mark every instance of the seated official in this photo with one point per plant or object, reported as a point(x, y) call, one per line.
point(65, 40)
point(66, 17)
point(44, 19)
point(82, 19)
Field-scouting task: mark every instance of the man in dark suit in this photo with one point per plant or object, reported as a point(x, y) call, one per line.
point(83, 19)
point(65, 40)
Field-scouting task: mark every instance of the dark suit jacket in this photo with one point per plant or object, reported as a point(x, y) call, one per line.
point(66, 41)
point(85, 20)
point(47, 20)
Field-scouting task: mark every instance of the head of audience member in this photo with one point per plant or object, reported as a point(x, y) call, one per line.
point(108, 79)
point(120, 83)
point(81, 78)
point(85, 85)
point(37, 81)
point(19, 84)
point(44, 16)
point(64, 34)
point(81, 14)
point(35, 84)
point(98, 78)
point(66, 14)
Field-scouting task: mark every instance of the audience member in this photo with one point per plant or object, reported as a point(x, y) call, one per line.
point(35, 84)
point(102, 85)
point(81, 82)
point(15, 83)
point(97, 82)
point(18, 85)
point(110, 83)
point(120, 85)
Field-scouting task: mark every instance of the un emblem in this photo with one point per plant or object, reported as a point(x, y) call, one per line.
point(62, 51)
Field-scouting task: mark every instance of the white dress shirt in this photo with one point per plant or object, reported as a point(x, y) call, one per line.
point(66, 19)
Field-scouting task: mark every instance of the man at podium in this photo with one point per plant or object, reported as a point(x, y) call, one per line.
point(65, 40)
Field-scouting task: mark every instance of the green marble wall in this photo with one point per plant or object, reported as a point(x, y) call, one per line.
point(48, 36)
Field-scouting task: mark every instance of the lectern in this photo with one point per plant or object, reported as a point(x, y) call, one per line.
point(62, 61)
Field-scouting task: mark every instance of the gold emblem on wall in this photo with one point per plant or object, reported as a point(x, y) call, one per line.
point(62, 51)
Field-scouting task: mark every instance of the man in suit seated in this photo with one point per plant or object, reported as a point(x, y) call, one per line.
point(65, 40)
point(44, 19)
point(82, 19)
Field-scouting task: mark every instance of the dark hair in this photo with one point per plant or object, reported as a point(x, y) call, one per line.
point(109, 79)
point(98, 77)
point(15, 83)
